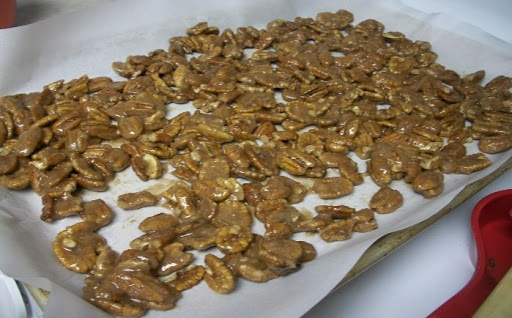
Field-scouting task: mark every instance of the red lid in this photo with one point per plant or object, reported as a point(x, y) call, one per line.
point(491, 223)
point(7, 13)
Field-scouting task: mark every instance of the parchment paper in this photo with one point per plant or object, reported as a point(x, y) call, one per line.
point(87, 41)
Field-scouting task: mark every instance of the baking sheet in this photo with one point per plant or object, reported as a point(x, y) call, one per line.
point(86, 42)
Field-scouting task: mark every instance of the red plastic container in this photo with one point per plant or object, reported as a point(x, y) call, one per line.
point(7, 13)
point(491, 223)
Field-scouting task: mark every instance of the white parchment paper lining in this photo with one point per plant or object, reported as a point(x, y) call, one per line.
point(87, 41)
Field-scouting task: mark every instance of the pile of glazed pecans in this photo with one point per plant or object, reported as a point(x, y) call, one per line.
point(275, 106)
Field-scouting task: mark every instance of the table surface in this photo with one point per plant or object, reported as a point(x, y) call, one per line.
point(416, 278)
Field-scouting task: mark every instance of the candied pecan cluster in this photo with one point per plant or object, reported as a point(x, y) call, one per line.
point(298, 99)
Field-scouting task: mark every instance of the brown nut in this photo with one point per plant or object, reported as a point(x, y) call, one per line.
point(90, 184)
point(214, 168)
point(215, 134)
point(233, 239)
point(232, 213)
point(181, 195)
point(200, 237)
point(236, 154)
point(146, 166)
point(85, 170)
point(131, 127)
point(186, 278)
point(495, 144)
point(8, 163)
point(174, 259)
point(337, 231)
point(106, 261)
point(252, 191)
point(116, 158)
point(234, 187)
point(380, 171)
point(365, 222)
point(134, 259)
point(153, 240)
point(44, 181)
point(211, 189)
point(48, 157)
point(281, 187)
point(254, 269)
point(261, 158)
point(59, 208)
point(429, 184)
point(348, 169)
point(218, 276)
point(18, 180)
point(281, 255)
point(339, 20)
point(77, 140)
point(141, 286)
point(28, 141)
point(136, 200)
point(335, 211)
point(308, 252)
point(333, 187)
point(386, 200)
point(206, 208)
point(278, 230)
point(158, 222)
point(472, 163)
point(96, 211)
point(3, 133)
point(77, 247)
point(276, 211)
